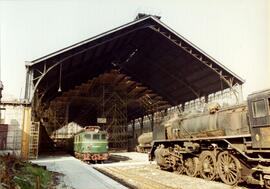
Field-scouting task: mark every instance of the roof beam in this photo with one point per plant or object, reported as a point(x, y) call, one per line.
point(199, 56)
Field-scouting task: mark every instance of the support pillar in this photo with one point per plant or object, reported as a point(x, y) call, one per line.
point(134, 139)
point(141, 126)
point(66, 121)
point(206, 99)
point(133, 128)
point(26, 132)
point(152, 122)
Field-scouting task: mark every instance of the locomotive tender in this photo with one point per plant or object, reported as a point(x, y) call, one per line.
point(231, 144)
point(91, 144)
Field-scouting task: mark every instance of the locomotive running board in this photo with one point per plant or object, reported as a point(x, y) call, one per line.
point(260, 159)
point(219, 138)
point(206, 138)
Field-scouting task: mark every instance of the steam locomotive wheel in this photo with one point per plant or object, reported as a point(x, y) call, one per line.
point(192, 166)
point(207, 165)
point(267, 183)
point(180, 169)
point(229, 168)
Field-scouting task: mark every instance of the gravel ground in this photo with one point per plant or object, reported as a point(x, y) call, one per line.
point(135, 171)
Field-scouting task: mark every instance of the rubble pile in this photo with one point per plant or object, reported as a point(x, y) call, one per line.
point(17, 174)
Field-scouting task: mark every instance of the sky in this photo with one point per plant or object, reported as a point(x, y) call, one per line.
point(234, 32)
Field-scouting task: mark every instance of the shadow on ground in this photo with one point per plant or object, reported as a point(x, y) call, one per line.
point(117, 158)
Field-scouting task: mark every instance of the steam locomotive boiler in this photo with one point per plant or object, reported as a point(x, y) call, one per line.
point(144, 141)
point(231, 144)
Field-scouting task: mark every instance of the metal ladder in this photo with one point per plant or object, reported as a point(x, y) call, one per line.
point(34, 140)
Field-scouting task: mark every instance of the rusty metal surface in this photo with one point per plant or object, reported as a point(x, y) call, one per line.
point(243, 144)
point(224, 122)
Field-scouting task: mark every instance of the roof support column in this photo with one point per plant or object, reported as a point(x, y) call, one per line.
point(152, 122)
point(67, 113)
point(28, 85)
point(206, 99)
point(133, 128)
point(134, 137)
point(141, 125)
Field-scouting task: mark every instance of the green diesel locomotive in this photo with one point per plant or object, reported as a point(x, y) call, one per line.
point(91, 144)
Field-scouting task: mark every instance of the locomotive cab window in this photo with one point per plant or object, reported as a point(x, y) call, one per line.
point(103, 137)
point(95, 136)
point(259, 108)
point(87, 136)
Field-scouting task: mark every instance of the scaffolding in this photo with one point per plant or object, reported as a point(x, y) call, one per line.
point(114, 109)
point(108, 102)
point(58, 130)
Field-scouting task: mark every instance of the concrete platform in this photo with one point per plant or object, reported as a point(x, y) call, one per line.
point(125, 159)
point(77, 174)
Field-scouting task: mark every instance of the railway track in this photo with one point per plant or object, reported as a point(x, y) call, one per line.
point(150, 177)
point(138, 181)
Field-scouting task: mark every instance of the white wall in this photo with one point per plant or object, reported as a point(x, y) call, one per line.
point(13, 117)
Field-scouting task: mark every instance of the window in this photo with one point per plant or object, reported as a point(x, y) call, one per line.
point(103, 136)
point(259, 108)
point(87, 136)
point(95, 136)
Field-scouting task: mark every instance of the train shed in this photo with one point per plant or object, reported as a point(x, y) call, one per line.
point(137, 69)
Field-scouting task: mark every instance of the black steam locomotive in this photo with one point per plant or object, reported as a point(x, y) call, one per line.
point(231, 144)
